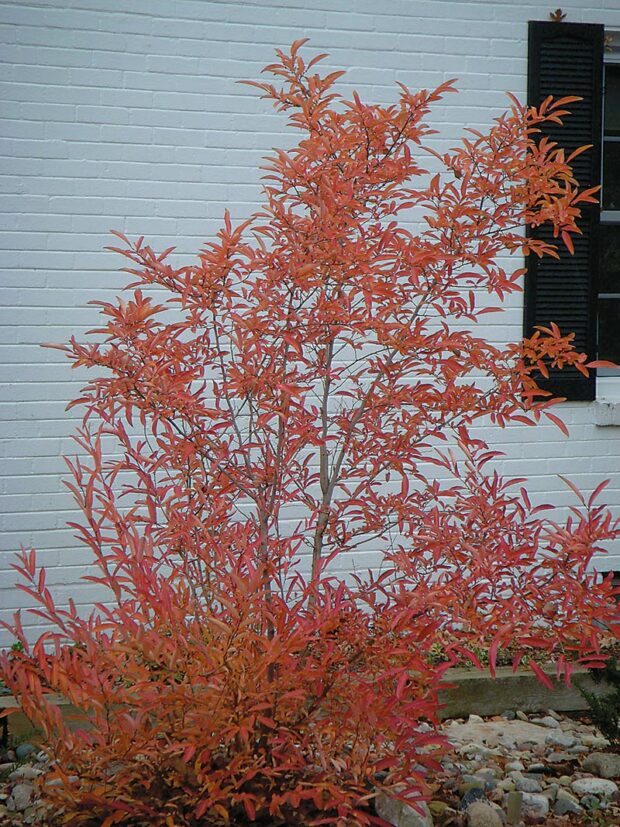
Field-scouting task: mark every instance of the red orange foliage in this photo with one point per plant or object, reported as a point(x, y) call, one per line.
point(308, 387)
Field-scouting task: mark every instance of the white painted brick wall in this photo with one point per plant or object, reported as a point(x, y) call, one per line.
point(126, 115)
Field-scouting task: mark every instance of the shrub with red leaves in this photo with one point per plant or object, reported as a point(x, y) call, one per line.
point(303, 391)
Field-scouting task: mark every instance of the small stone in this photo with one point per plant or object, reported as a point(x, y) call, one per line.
point(551, 791)
point(475, 794)
point(554, 714)
point(509, 715)
point(559, 757)
point(489, 772)
point(578, 749)
point(437, 807)
point(524, 784)
point(26, 773)
point(507, 785)
point(536, 768)
point(402, 815)
point(565, 780)
point(594, 786)
point(591, 802)
point(482, 814)
point(535, 805)
point(595, 741)
point(560, 738)
point(603, 764)
point(547, 721)
point(475, 719)
point(470, 782)
point(513, 766)
point(20, 798)
point(521, 715)
point(566, 803)
point(22, 751)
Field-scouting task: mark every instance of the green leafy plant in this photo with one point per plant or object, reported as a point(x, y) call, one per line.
point(605, 709)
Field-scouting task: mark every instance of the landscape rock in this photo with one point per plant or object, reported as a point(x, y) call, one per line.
point(548, 721)
point(535, 805)
point(474, 794)
point(596, 741)
point(591, 802)
point(560, 738)
point(600, 787)
point(25, 773)
point(498, 733)
point(402, 815)
point(559, 757)
point(524, 784)
point(483, 814)
point(603, 764)
point(23, 751)
point(20, 798)
point(437, 808)
point(566, 803)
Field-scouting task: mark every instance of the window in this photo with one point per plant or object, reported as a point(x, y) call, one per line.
point(567, 59)
point(609, 231)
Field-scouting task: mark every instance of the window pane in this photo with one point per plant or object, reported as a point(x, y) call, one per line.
point(612, 100)
point(611, 175)
point(610, 259)
point(609, 329)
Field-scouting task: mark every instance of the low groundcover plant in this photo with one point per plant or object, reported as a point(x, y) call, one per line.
point(306, 390)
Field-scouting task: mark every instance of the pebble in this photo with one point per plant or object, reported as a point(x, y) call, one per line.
point(20, 798)
point(483, 814)
point(566, 803)
point(594, 786)
point(25, 773)
point(535, 805)
point(23, 751)
point(521, 715)
point(561, 739)
point(559, 757)
point(547, 721)
point(509, 715)
point(514, 765)
point(596, 741)
point(523, 784)
point(591, 802)
point(401, 814)
point(474, 794)
point(603, 764)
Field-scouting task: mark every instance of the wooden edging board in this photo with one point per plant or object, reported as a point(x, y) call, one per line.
point(471, 691)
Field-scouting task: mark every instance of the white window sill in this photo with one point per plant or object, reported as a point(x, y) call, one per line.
point(606, 412)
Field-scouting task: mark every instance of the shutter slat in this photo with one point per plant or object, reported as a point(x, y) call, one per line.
point(567, 59)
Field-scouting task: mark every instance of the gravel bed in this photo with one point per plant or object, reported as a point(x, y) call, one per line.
point(546, 769)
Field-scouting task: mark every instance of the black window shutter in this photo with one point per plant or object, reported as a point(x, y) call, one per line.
point(567, 59)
